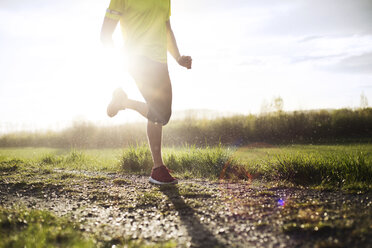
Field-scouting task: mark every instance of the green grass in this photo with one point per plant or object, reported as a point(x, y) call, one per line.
point(21, 227)
point(35, 228)
point(340, 166)
point(188, 161)
point(72, 159)
point(259, 152)
point(348, 166)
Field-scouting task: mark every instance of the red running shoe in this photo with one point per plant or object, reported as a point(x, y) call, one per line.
point(161, 176)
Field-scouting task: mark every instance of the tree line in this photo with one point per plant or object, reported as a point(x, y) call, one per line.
point(318, 126)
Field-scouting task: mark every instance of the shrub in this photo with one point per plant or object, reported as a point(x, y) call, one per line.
point(190, 160)
point(337, 170)
point(137, 159)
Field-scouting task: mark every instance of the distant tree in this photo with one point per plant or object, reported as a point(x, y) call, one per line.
point(278, 104)
point(363, 101)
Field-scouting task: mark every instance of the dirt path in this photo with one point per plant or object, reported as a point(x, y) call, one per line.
point(197, 213)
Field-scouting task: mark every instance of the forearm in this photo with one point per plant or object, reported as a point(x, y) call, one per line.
point(172, 43)
point(108, 28)
point(185, 61)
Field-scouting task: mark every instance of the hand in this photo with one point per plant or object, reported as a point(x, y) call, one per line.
point(185, 61)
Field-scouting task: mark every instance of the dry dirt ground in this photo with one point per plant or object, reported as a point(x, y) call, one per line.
point(196, 213)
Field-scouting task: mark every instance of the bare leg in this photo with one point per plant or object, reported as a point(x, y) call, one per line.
point(152, 79)
point(154, 134)
point(140, 107)
point(120, 102)
point(154, 131)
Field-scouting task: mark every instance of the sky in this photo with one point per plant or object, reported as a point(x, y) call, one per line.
point(313, 54)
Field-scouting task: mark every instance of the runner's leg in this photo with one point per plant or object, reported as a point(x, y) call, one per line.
point(154, 131)
point(152, 79)
point(154, 135)
point(140, 107)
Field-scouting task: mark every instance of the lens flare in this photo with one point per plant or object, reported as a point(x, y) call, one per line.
point(237, 193)
point(281, 203)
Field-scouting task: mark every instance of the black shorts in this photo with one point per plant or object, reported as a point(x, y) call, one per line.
point(152, 79)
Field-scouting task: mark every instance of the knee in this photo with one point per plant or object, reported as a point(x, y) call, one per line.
point(162, 117)
point(166, 117)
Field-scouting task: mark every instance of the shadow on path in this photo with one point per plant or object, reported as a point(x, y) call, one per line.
point(200, 235)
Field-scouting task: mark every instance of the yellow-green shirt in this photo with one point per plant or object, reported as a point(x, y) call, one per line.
point(143, 25)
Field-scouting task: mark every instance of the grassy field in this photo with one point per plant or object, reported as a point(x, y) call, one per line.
point(332, 165)
point(297, 168)
point(337, 166)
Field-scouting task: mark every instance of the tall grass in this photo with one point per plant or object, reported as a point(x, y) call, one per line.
point(336, 166)
point(339, 170)
point(343, 125)
point(137, 159)
point(336, 169)
point(208, 162)
point(189, 161)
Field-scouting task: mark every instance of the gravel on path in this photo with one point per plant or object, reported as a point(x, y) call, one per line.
point(198, 213)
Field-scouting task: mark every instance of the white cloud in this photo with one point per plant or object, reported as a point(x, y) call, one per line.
point(354, 64)
point(319, 17)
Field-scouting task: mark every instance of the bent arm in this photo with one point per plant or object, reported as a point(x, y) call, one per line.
point(172, 47)
point(108, 28)
point(172, 43)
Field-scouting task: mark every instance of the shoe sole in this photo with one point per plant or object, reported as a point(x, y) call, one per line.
point(153, 181)
point(111, 113)
point(112, 109)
